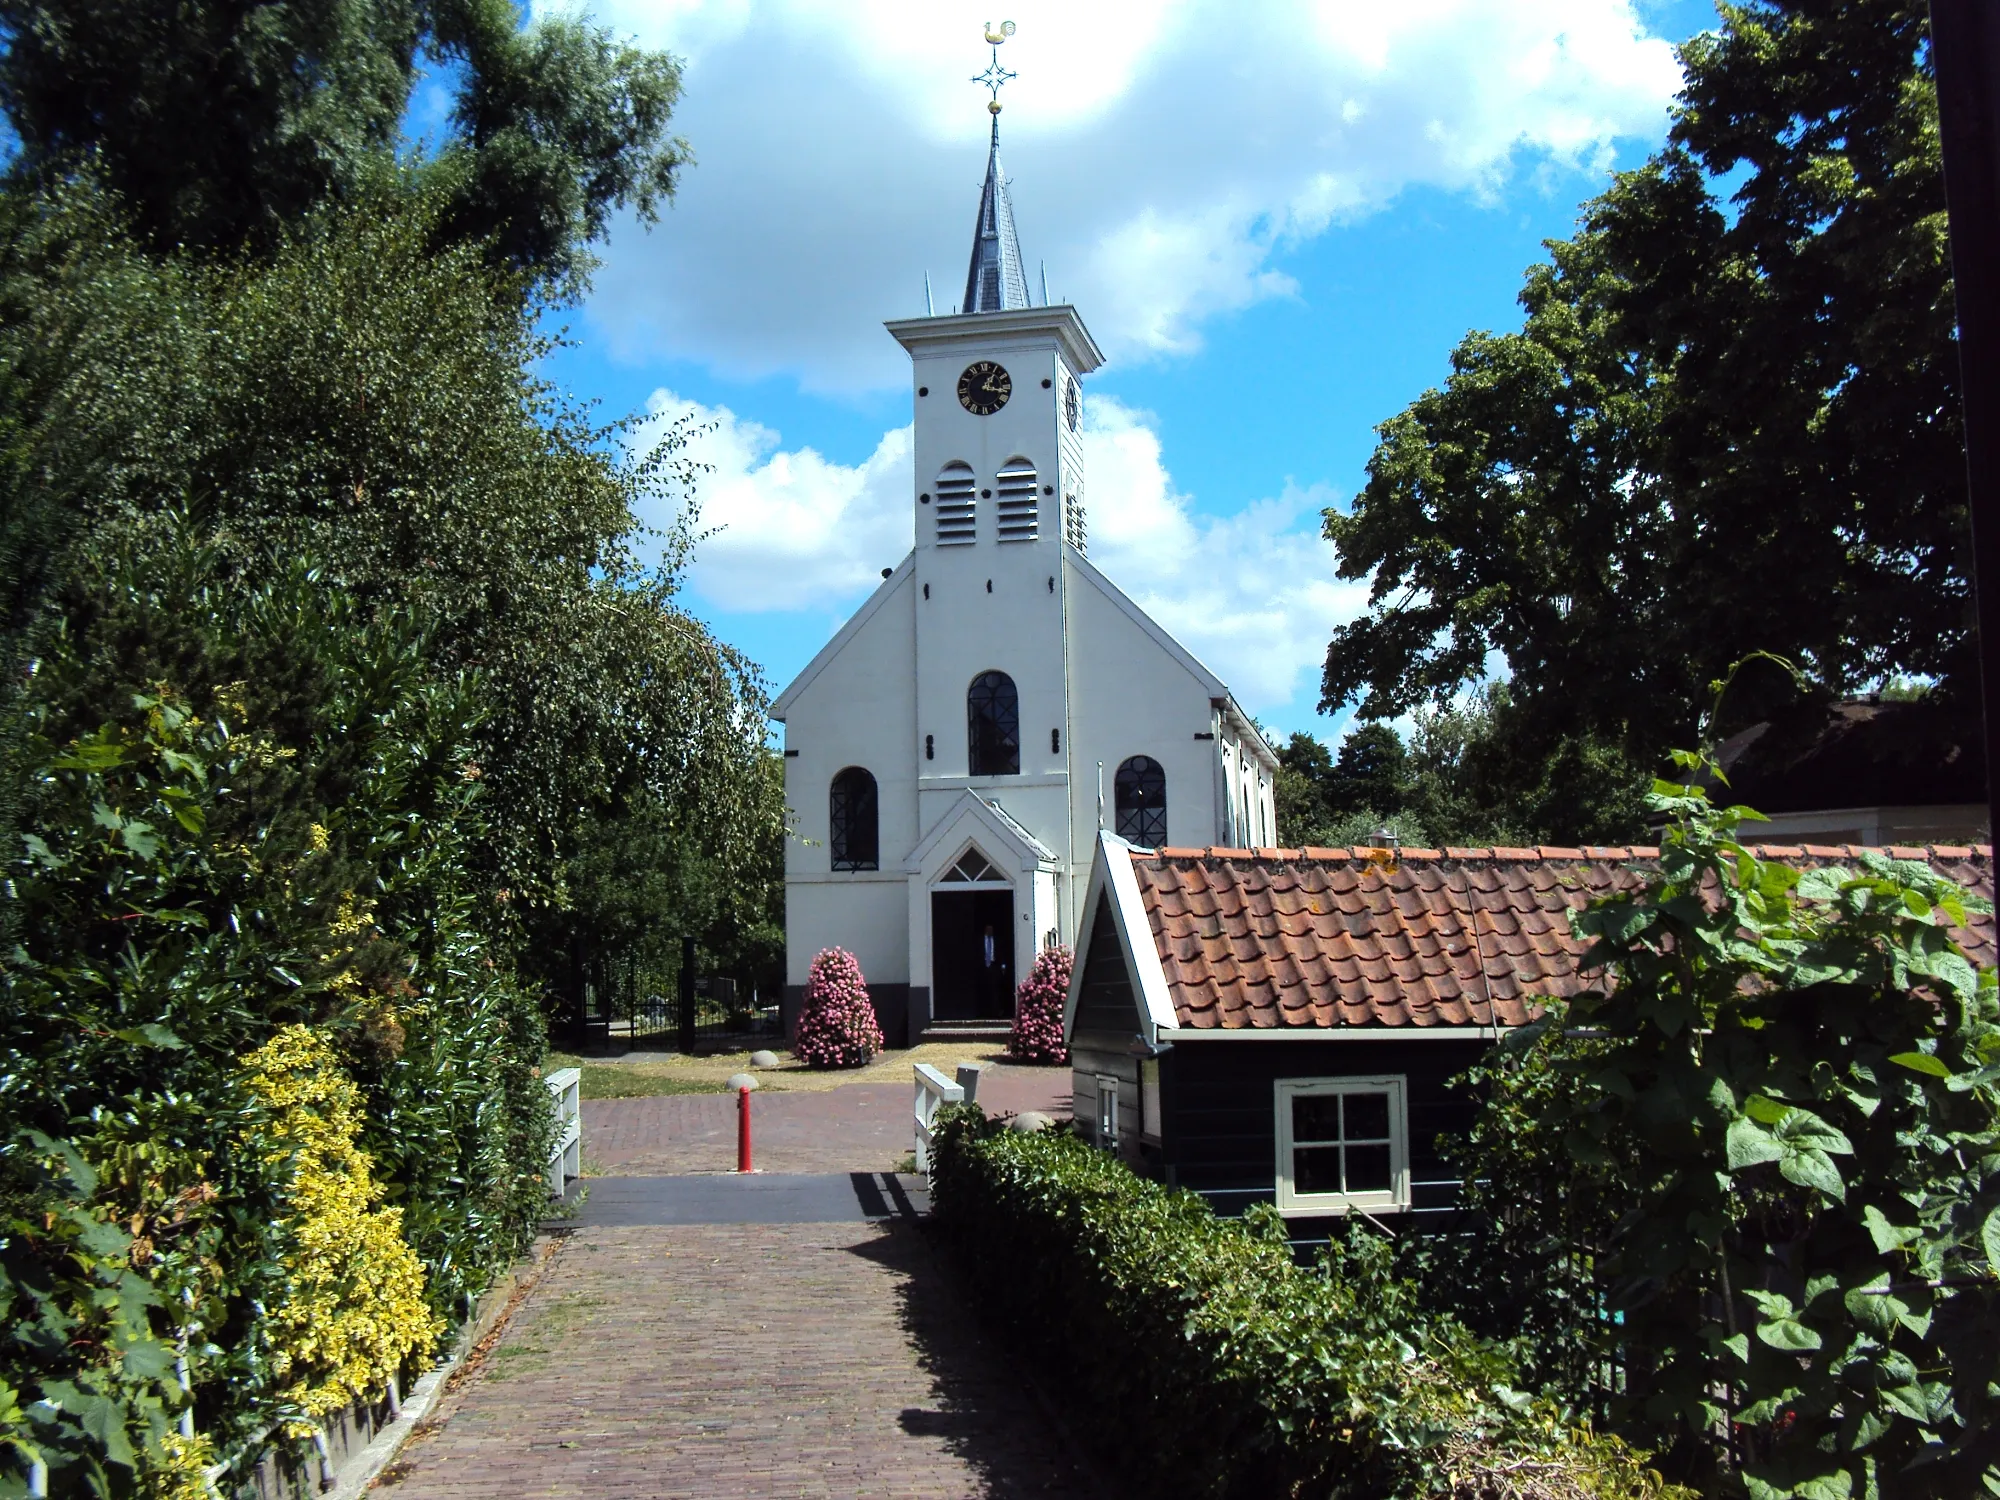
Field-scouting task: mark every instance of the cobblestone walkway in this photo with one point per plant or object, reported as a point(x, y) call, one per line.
point(863, 1127)
point(739, 1360)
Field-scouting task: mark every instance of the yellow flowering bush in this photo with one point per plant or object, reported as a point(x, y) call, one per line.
point(352, 1308)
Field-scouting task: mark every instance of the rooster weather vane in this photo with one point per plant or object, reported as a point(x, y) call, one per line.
point(995, 77)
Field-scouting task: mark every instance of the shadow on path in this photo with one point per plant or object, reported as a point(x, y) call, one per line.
point(749, 1198)
point(988, 1410)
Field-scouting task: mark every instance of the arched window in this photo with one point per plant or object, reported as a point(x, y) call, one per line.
point(851, 821)
point(957, 502)
point(1142, 802)
point(993, 726)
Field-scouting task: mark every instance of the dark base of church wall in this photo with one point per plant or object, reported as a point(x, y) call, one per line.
point(892, 1012)
point(918, 1013)
point(896, 1007)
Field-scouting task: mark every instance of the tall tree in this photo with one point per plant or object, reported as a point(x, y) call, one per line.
point(219, 122)
point(1729, 423)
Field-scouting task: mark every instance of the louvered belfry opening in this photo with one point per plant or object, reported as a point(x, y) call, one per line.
point(957, 506)
point(1018, 512)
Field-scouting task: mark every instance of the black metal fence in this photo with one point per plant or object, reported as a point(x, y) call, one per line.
point(622, 1001)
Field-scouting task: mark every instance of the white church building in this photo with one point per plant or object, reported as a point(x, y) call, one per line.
point(953, 751)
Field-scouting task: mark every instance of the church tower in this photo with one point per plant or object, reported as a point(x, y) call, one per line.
point(999, 490)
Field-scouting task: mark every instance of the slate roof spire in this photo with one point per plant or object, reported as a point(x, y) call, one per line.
point(997, 279)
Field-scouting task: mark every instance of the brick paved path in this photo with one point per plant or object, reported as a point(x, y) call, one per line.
point(740, 1360)
point(863, 1127)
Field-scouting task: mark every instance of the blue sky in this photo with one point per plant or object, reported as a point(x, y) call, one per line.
point(1277, 221)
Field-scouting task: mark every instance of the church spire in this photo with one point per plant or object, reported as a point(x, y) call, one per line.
point(996, 279)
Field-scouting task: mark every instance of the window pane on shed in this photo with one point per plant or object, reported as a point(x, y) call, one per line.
point(1315, 1117)
point(1367, 1169)
point(1316, 1170)
point(1367, 1117)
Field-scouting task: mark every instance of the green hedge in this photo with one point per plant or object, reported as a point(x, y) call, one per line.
point(1209, 1363)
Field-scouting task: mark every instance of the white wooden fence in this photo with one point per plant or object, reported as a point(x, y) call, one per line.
point(566, 1158)
point(934, 1092)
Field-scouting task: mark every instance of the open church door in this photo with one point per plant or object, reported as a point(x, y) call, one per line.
point(966, 986)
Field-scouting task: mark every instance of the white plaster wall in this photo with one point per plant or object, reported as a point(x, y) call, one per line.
point(992, 606)
point(1133, 697)
point(855, 711)
point(866, 916)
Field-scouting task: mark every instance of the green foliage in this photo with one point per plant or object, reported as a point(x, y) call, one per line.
point(1760, 1168)
point(86, 1387)
point(223, 125)
point(1725, 425)
point(342, 694)
point(192, 884)
point(1469, 775)
point(1208, 1363)
point(367, 402)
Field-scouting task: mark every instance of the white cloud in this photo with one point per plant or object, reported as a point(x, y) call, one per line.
point(1164, 152)
point(788, 530)
point(1252, 594)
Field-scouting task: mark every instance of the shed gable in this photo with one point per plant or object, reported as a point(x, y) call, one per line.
point(1105, 1000)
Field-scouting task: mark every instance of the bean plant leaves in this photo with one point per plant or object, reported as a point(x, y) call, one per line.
point(1921, 1062)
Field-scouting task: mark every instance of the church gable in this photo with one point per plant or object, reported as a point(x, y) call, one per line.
point(876, 620)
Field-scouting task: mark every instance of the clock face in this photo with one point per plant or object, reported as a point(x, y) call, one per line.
point(984, 388)
point(1072, 404)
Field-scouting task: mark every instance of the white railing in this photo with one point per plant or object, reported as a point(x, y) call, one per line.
point(934, 1092)
point(566, 1159)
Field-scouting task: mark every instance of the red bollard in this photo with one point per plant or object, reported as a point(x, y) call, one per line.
point(743, 1130)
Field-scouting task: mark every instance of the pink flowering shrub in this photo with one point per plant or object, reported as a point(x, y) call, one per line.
point(837, 1026)
point(1038, 1009)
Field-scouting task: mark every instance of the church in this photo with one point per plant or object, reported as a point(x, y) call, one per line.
point(953, 752)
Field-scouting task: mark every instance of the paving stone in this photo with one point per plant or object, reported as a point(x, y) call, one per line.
point(633, 1370)
point(859, 1127)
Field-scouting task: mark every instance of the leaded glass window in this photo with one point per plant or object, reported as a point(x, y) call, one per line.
point(1142, 802)
point(852, 822)
point(993, 726)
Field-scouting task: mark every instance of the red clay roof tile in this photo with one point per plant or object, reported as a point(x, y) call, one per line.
point(1320, 938)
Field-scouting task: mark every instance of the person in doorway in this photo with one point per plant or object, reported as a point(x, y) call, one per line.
point(992, 975)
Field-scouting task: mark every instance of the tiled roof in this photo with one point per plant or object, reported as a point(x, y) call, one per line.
point(1317, 938)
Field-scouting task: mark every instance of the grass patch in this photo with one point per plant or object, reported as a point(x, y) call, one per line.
point(602, 1082)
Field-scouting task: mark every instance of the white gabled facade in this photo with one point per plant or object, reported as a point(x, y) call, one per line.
point(998, 583)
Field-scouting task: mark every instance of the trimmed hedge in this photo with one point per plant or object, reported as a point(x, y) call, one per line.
point(1210, 1364)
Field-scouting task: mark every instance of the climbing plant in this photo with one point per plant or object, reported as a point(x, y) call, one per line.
point(1748, 1190)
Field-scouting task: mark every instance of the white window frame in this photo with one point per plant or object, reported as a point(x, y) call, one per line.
point(1107, 1112)
point(1149, 1100)
point(1397, 1198)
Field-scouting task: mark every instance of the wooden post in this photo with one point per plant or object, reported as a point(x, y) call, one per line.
point(1965, 43)
point(687, 994)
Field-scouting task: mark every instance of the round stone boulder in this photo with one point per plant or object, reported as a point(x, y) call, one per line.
point(763, 1059)
point(1029, 1121)
point(740, 1081)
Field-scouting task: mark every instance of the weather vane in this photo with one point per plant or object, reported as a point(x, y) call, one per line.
point(995, 76)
